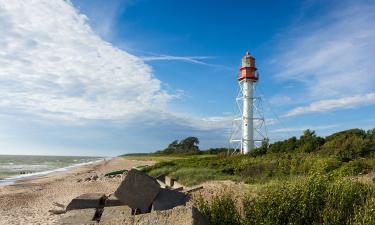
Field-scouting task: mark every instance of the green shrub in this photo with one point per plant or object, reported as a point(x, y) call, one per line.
point(365, 215)
point(351, 168)
point(220, 210)
point(343, 197)
point(193, 176)
point(348, 145)
point(297, 202)
point(325, 165)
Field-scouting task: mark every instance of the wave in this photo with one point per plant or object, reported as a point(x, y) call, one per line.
point(12, 179)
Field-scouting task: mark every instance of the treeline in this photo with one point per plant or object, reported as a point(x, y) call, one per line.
point(345, 145)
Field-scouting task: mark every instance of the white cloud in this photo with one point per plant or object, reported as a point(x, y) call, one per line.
point(53, 64)
point(302, 128)
point(333, 54)
point(334, 104)
point(191, 59)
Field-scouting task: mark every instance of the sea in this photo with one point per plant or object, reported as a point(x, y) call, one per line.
point(17, 167)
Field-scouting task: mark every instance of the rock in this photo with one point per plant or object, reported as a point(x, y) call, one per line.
point(94, 177)
point(138, 190)
point(79, 180)
point(79, 217)
point(91, 200)
point(121, 215)
point(112, 201)
point(168, 199)
point(181, 215)
point(87, 179)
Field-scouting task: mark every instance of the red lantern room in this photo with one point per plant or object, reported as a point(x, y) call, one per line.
point(247, 70)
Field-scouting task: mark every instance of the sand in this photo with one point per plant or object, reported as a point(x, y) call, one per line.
point(29, 201)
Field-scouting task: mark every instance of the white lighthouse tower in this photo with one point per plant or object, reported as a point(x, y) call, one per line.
point(250, 127)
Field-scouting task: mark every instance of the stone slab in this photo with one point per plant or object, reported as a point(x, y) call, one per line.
point(169, 181)
point(181, 215)
point(168, 199)
point(112, 201)
point(90, 200)
point(78, 217)
point(116, 215)
point(138, 190)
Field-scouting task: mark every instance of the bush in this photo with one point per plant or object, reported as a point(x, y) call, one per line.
point(221, 210)
point(351, 168)
point(298, 202)
point(343, 197)
point(193, 176)
point(348, 145)
point(365, 215)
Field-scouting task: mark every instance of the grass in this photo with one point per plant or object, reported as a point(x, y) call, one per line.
point(192, 170)
point(316, 199)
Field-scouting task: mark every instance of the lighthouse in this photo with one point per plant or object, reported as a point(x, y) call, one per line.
point(247, 78)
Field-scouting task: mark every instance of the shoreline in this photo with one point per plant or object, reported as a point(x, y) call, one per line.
point(29, 200)
point(14, 179)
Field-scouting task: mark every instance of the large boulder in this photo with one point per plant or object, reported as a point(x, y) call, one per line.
point(78, 217)
point(121, 215)
point(168, 199)
point(90, 200)
point(138, 190)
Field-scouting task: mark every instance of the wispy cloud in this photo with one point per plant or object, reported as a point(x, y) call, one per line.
point(302, 128)
point(191, 59)
point(333, 54)
point(334, 104)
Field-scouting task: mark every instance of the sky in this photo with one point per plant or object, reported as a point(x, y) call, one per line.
point(112, 77)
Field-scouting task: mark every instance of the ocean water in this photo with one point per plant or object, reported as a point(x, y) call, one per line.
point(16, 167)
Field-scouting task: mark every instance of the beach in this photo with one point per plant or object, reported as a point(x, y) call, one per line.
point(29, 201)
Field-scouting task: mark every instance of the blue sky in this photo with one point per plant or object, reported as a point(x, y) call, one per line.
point(112, 77)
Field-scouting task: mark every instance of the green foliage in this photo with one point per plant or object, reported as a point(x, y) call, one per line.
point(351, 168)
point(343, 197)
point(220, 210)
point(315, 199)
point(288, 145)
point(309, 142)
point(297, 202)
point(348, 145)
point(366, 214)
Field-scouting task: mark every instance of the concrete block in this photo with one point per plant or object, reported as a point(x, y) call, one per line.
point(78, 217)
point(169, 181)
point(117, 215)
point(181, 215)
point(177, 185)
point(112, 201)
point(168, 199)
point(138, 190)
point(90, 200)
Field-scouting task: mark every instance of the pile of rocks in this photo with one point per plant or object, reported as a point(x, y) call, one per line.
point(139, 200)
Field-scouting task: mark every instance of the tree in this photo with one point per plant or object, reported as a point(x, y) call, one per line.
point(189, 144)
point(309, 142)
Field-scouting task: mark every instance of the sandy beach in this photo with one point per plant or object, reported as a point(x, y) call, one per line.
point(29, 201)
